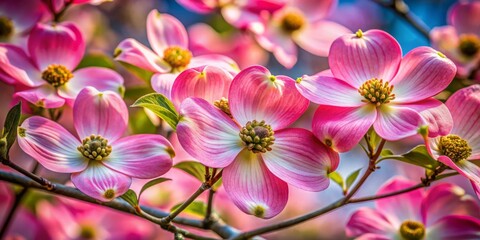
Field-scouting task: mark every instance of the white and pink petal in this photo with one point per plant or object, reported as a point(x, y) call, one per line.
point(164, 31)
point(397, 122)
point(132, 52)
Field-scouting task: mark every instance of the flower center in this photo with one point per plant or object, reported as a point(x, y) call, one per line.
point(469, 45)
point(6, 27)
point(376, 91)
point(178, 58)
point(455, 147)
point(95, 147)
point(292, 21)
point(257, 136)
point(222, 104)
point(87, 232)
point(412, 230)
point(57, 75)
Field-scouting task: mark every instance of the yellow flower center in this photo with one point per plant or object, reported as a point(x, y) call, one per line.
point(257, 136)
point(222, 104)
point(87, 232)
point(412, 230)
point(95, 147)
point(292, 21)
point(376, 91)
point(6, 28)
point(469, 45)
point(178, 58)
point(455, 147)
point(57, 75)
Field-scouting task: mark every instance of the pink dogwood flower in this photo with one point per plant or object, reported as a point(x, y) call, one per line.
point(370, 84)
point(45, 76)
point(441, 213)
point(58, 5)
point(169, 41)
point(16, 21)
point(460, 40)
point(462, 144)
point(101, 162)
point(300, 22)
point(248, 137)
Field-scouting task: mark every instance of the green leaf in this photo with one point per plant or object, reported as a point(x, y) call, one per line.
point(197, 208)
point(418, 156)
point(140, 73)
point(161, 106)
point(352, 177)
point(151, 184)
point(217, 185)
point(96, 60)
point(374, 139)
point(10, 128)
point(337, 178)
point(386, 152)
point(193, 168)
point(139, 123)
point(131, 198)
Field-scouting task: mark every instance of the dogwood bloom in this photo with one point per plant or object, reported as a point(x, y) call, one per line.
point(248, 137)
point(101, 162)
point(45, 75)
point(59, 4)
point(370, 84)
point(441, 213)
point(169, 41)
point(462, 143)
point(15, 21)
point(300, 22)
point(460, 40)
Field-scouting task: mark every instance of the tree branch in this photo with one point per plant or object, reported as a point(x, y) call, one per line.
point(219, 227)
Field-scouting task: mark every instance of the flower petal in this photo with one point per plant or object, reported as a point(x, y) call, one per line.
point(329, 91)
point(317, 37)
point(465, 17)
point(61, 43)
point(447, 199)
point(281, 45)
point(141, 156)
point(51, 145)
point(298, 158)
point(397, 122)
point(342, 128)
point(402, 207)
point(100, 113)
point(436, 115)
point(44, 96)
point(216, 60)
point(101, 182)
point(315, 10)
point(208, 82)
point(376, 54)
point(464, 167)
point(208, 134)
point(103, 79)
point(369, 221)
point(164, 30)
point(242, 18)
point(163, 83)
point(253, 188)
point(198, 6)
point(423, 73)
point(465, 108)
point(132, 52)
point(255, 94)
point(455, 227)
point(17, 67)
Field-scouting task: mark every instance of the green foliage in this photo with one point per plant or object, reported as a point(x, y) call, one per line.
point(196, 208)
point(193, 168)
point(338, 179)
point(352, 177)
point(417, 156)
point(152, 183)
point(161, 106)
point(96, 60)
point(131, 198)
point(10, 127)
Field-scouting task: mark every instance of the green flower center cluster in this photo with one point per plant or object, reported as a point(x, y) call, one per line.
point(469, 45)
point(178, 58)
point(412, 230)
point(95, 147)
point(257, 136)
point(455, 147)
point(6, 28)
point(376, 91)
point(57, 75)
point(292, 21)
